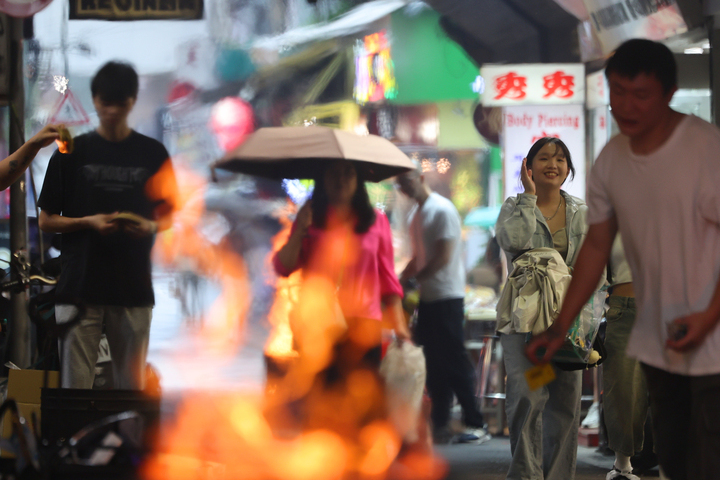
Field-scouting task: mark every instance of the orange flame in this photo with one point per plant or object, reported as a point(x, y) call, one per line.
point(232, 436)
point(184, 245)
point(280, 343)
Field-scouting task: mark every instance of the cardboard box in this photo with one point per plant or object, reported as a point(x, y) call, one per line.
point(25, 386)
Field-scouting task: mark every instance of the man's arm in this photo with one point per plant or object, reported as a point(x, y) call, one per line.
point(589, 267)
point(409, 271)
point(441, 257)
point(15, 165)
point(54, 223)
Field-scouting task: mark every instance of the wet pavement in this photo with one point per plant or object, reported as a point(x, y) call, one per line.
point(491, 460)
point(184, 368)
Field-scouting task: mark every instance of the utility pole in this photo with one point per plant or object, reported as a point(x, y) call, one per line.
point(19, 340)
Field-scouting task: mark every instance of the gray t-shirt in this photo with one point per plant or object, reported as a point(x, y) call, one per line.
point(667, 206)
point(438, 219)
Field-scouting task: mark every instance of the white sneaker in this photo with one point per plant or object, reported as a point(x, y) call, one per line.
point(616, 474)
point(592, 419)
point(475, 436)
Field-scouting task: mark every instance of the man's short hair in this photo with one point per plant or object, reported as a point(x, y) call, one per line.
point(644, 56)
point(115, 82)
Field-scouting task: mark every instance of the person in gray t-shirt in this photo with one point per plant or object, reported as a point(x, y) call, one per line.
point(437, 266)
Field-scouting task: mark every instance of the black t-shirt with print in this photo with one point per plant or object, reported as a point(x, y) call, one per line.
point(101, 176)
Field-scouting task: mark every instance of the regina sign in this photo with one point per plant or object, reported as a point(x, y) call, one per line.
point(136, 9)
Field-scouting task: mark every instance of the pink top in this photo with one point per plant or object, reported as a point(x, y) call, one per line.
point(368, 274)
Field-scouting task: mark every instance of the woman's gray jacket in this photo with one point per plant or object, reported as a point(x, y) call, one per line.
point(521, 227)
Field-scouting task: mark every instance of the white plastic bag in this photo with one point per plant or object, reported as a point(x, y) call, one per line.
point(403, 369)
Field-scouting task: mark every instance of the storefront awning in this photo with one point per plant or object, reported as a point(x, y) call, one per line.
point(350, 23)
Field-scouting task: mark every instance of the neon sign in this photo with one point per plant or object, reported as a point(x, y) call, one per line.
point(374, 69)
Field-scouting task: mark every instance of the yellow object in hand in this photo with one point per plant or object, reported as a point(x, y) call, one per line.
point(65, 142)
point(539, 376)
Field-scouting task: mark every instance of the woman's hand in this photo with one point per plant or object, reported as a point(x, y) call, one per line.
point(526, 178)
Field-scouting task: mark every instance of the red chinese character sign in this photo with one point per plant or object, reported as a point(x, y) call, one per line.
point(533, 84)
point(511, 86)
point(598, 93)
point(558, 84)
point(523, 125)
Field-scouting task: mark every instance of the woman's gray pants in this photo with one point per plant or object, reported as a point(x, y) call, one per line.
point(543, 423)
point(128, 333)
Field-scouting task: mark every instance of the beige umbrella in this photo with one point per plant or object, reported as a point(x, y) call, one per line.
point(301, 152)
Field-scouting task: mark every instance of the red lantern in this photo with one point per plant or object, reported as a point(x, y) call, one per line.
point(231, 120)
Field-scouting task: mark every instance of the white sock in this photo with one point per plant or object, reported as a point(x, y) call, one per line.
point(622, 462)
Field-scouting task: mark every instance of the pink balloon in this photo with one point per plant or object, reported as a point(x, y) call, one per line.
point(232, 120)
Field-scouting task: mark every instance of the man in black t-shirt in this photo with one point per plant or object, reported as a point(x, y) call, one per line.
point(105, 260)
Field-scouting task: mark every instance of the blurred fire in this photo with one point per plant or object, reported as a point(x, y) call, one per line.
point(280, 343)
point(339, 432)
point(184, 245)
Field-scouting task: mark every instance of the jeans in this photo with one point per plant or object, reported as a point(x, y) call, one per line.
point(128, 334)
point(440, 332)
point(625, 396)
point(686, 421)
point(543, 423)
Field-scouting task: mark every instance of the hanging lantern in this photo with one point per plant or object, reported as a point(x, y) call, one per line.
point(231, 120)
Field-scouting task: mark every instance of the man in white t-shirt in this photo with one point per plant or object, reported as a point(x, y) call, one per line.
point(657, 182)
point(437, 266)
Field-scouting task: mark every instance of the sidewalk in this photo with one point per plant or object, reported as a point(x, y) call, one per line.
point(491, 460)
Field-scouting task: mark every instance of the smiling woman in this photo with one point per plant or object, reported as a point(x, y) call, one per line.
point(542, 216)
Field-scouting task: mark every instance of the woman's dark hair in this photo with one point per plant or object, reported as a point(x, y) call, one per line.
point(559, 144)
point(360, 204)
point(644, 56)
point(115, 82)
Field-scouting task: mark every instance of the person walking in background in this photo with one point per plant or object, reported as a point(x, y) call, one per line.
point(543, 423)
point(344, 247)
point(657, 182)
point(625, 397)
point(106, 263)
point(437, 266)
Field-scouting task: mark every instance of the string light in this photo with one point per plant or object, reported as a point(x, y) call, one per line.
point(427, 165)
point(443, 165)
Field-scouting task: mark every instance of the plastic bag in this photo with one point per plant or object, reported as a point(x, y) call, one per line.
point(403, 369)
point(581, 336)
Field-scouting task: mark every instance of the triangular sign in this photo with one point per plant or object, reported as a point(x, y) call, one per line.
point(69, 111)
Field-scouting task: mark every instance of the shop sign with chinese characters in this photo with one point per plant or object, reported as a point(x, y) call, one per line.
point(598, 92)
point(533, 84)
point(523, 125)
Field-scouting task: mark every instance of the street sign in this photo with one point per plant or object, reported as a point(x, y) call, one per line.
point(136, 9)
point(69, 111)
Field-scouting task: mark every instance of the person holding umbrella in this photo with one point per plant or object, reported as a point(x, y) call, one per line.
point(344, 247)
